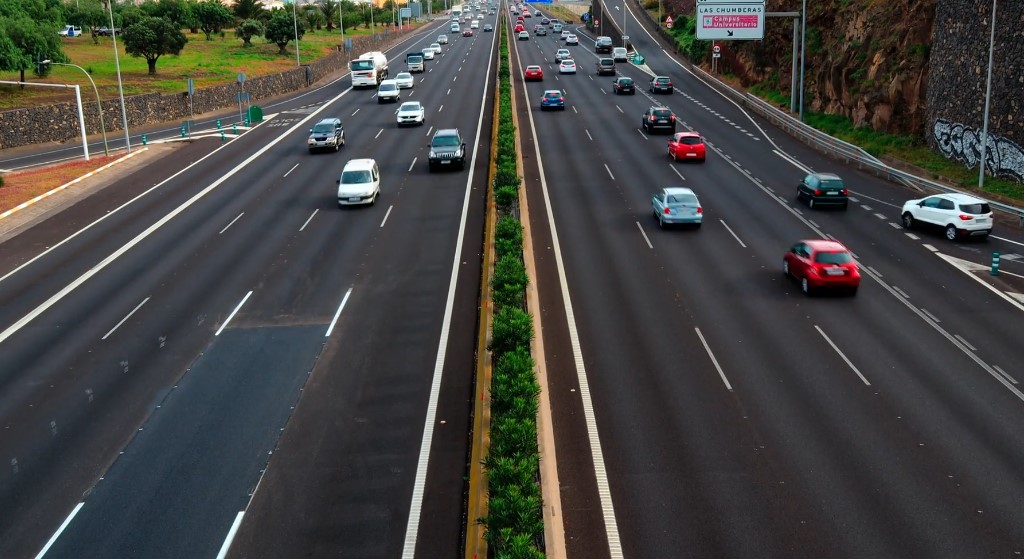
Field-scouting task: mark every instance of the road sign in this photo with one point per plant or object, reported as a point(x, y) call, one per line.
point(716, 55)
point(405, 12)
point(638, 59)
point(241, 77)
point(732, 21)
point(625, 38)
point(191, 86)
point(586, 16)
point(717, 49)
point(668, 22)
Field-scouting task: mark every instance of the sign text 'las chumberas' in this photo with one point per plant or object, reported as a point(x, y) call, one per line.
point(730, 21)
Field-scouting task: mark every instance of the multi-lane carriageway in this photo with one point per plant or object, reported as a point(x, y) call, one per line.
point(212, 352)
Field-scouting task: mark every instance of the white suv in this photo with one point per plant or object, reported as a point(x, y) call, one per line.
point(359, 183)
point(960, 215)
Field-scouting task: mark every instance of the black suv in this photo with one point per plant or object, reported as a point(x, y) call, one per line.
point(661, 83)
point(605, 66)
point(659, 118)
point(603, 44)
point(447, 149)
point(326, 134)
point(623, 85)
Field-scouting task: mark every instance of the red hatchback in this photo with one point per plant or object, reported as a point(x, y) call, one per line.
point(519, 27)
point(820, 263)
point(687, 145)
point(533, 73)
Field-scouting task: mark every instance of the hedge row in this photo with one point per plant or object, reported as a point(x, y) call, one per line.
point(515, 525)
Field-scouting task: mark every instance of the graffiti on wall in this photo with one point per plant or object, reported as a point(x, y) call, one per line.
point(1003, 158)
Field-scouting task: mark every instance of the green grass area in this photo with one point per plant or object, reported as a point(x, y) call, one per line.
point(206, 62)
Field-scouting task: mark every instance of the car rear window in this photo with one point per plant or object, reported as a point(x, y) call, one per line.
point(832, 183)
point(981, 208)
point(682, 199)
point(690, 141)
point(662, 112)
point(607, 62)
point(832, 257)
point(661, 80)
point(626, 81)
point(551, 95)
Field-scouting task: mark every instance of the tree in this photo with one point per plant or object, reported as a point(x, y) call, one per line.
point(151, 38)
point(314, 18)
point(248, 29)
point(128, 16)
point(329, 9)
point(178, 12)
point(25, 35)
point(281, 29)
point(250, 9)
point(213, 17)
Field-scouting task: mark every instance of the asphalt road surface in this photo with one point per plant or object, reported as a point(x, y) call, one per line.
point(711, 409)
point(213, 324)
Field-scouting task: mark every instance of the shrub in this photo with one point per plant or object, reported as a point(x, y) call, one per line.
point(508, 237)
point(512, 329)
point(509, 280)
point(505, 196)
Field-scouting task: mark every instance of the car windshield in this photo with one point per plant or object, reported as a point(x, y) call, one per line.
point(387, 87)
point(409, 107)
point(446, 141)
point(832, 257)
point(404, 76)
point(681, 200)
point(323, 128)
point(690, 140)
point(978, 208)
point(355, 177)
point(362, 65)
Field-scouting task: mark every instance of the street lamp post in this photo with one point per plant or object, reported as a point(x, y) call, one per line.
point(99, 105)
point(803, 50)
point(120, 87)
point(988, 97)
point(295, 21)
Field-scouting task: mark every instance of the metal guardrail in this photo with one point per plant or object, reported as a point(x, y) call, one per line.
point(837, 148)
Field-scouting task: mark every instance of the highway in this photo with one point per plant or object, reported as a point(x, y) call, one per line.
point(713, 410)
point(210, 359)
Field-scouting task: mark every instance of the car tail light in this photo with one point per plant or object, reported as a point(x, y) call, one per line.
point(561, 98)
point(667, 211)
point(817, 192)
point(844, 192)
point(965, 217)
point(672, 118)
point(652, 118)
point(700, 210)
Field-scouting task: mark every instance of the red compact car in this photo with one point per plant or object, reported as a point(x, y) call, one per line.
point(687, 145)
point(467, 32)
point(820, 263)
point(519, 27)
point(533, 73)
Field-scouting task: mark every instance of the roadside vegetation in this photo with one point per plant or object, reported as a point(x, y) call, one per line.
point(515, 525)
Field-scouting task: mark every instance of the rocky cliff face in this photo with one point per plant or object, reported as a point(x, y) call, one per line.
point(866, 59)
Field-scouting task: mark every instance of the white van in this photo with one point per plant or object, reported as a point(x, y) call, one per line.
point(359, 183)
point(475, 24)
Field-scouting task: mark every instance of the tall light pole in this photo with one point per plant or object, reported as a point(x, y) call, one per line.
point(120, 87)
point(341, 24)
point(803, 50)
point(99, 105)
point(295, 21)
point(988, 96)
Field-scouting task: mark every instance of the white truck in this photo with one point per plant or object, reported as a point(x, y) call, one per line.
point(369, 69)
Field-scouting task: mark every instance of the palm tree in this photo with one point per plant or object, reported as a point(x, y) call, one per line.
point(251, 9)
point(314, 19)
point(329, 9)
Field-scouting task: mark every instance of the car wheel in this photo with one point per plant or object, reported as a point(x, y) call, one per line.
point(661, 221)
point(342, 139)
point(952, 232)
point(672, 155)
point(785, 267)
point(810, 203)
point(908, 220)
point(805, 286)
point(337, 146)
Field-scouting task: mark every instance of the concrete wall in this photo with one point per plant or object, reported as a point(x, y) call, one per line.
point(956, 85)
point(59, 122)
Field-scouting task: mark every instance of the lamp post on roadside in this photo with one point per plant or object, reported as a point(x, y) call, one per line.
point(295, 21)
point(803, 50)
point(988, 97)
point(99, 105)
point(120, 87)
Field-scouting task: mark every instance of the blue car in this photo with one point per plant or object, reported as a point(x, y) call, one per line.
point(677, 205)
point(552, 99)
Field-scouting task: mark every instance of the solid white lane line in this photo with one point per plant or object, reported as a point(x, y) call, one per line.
point(815, 225)
point(224, 547)
point(1004, 373)
point(609, 171)
point(795, 163)
point(53, 538)
point(930, 315)
point(901, 292)
point(378, 134)
point(1007, 240)
point(711, 354)
point(129, 315)
point(310, 218)
point(588, 134)
point(965, 342)
point(430, 418)
point(841, 354)
point(413, 164)
point(337, 313)
point(230, 224)
point(874, 271)
point(386, 214)
point(290, 170)
point(232, 315)
point(640, 227)
point(734, 235)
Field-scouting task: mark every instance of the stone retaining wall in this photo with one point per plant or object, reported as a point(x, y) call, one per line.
point(59, 122)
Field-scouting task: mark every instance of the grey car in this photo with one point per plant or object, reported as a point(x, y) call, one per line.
point(677, 206)
point(326, 134)
point(447, 149)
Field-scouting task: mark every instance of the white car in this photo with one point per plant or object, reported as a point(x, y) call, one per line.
point(960, 215)
point(411, 112)
point(619, 54)
point(442, 39)
point(436, 47)
point(567, 66)
point(572, 40)
point(562, 54)
point(388, 91)
point(404, 80)
point(474, 24)
point(359, 183)
point(564, 34)
point(428, 53)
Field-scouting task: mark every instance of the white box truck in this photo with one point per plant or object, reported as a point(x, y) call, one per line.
point(369, 69)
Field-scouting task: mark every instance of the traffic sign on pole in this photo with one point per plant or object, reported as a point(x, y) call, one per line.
point(730, 20)
point(668, 22)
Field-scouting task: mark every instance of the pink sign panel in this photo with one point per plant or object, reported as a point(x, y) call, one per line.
point(730, 22)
